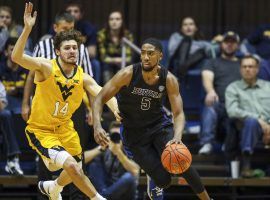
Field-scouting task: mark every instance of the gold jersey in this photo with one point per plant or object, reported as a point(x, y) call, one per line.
point(56, 98)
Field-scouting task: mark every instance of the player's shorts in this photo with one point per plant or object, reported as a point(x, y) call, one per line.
point(147, 150)
point(54, 146)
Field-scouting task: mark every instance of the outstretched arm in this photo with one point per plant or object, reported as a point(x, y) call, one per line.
point(27, 93)
point(122, 78)
point(18, 56)
point(176, 106)
point(93, 89)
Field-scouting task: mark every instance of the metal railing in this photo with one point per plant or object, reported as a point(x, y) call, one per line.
point(125, 43)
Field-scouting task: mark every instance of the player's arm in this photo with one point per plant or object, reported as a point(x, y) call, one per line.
point(27, 93)
point(40, 64)
point(176, 106)
point(91, 86)
point(112, 87)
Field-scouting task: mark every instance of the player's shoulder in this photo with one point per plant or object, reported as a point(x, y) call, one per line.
point(127, 71)
point(170, 77)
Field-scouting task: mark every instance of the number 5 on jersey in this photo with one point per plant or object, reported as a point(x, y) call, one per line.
point(57, 110)
point(145, 103)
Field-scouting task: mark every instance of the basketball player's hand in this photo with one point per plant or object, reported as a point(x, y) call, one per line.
point(101, 137)
point(29, 20)
point(174, 141)
point(117, 116)
point(211, 98)
point(25, 111)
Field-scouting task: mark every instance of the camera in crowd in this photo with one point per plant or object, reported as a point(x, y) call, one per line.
point(115, 137)
point(114, 130)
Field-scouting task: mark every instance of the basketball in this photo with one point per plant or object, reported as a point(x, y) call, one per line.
point(176, 158)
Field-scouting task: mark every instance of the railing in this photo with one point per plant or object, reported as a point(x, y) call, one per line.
point(125, 43)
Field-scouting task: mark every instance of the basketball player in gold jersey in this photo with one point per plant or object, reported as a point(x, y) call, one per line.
point(59, 92)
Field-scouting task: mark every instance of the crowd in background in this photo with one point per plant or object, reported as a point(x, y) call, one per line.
point(234, 73)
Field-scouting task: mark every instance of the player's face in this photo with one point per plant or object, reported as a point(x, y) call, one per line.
point(5, 18)
point(249, 69)
point(150, 57)
point(189, 27)
point(68, 51)
point(63, 26)
point(229, 47)
point(75, 12)
point(115, 21)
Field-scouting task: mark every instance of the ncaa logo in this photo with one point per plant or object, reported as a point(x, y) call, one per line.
point(161, 88)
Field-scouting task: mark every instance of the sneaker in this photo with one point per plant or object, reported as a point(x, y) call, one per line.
point(154, 192)
point(48, 188)
point(13, 167)
point(206, 149)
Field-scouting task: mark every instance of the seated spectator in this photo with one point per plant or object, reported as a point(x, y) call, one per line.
point(10, 141)
point(8, 28)
point(109, 45)
point(186, 48)
point(258, 42)
point(247, 103)
point(264, 70)
point(13, 77)
point(75, 8)
point(217, 74)
point(112, 173)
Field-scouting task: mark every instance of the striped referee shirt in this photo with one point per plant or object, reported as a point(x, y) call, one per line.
point(45, 48)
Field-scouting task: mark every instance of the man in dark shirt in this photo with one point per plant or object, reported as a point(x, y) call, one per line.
point(113, 174)
point(140, 89)
point(13, 78)
point(217, 74)
point(260, 40)
point(75, 8)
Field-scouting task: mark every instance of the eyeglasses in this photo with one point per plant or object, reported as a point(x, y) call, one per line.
point(5, 16)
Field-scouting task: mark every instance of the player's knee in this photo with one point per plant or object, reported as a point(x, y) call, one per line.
point(72, 167)
point(162, 180)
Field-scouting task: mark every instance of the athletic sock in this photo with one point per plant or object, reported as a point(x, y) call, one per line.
point(57, 186)
point(98, 197)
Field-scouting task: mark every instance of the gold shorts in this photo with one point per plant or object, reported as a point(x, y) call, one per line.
point(64, 136)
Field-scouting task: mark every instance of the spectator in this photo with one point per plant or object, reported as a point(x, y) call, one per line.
point(264, 70)
point(247, 103)
point(75, 8)
point(187, 47)
point(258, 42)
point(217, 74)
point(109, 45)
point(13, 78)
point(112, 173)
point(8, 28)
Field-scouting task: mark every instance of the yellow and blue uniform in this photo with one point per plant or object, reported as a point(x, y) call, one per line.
point(55, 100)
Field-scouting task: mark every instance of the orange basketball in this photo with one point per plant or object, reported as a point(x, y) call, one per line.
point(176, 158)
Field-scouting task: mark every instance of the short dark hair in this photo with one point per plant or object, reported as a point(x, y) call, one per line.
point(67, 35)
point(76, 3)
point(10, 41)
point(64, 16)
point(252, 57)
point(155, 42)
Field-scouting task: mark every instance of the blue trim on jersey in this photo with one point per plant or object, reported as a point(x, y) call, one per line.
point(126, 149)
